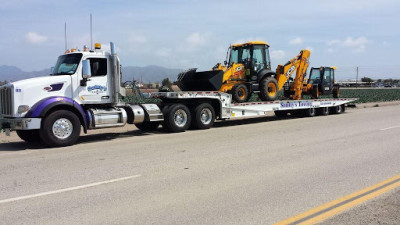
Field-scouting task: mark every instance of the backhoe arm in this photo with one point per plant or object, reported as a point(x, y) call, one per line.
point(298, 64)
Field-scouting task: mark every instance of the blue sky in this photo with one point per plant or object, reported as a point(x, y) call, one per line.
point(183, 34)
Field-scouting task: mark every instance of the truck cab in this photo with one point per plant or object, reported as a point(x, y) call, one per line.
point(83, 90)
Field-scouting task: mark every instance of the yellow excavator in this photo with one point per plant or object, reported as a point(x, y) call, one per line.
point(247, 71)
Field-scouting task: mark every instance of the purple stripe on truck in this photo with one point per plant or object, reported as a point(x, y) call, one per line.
point(41, 107)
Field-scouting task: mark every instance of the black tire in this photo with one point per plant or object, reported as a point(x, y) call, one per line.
point(310, 112)
point(68, 131)
point(336, 109)
point(323, 111)
point(29, 136)
point(335, 92)
point(314, 92)
point(287, 93)
point(203, 116)
point(240, 93)
point(148, 126)
point(268, 89)
point(281, 114)
point(177, 118)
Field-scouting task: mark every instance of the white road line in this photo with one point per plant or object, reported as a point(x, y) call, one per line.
point(388, 128)
point(67, 189)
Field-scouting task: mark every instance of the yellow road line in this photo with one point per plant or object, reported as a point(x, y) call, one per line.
point(332, 208)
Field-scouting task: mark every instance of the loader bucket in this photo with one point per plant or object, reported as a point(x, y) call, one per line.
point(200, 81)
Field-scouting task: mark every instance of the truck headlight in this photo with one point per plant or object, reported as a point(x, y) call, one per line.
point(23, 109)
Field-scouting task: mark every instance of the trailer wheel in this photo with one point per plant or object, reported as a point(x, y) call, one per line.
point(279, 113)
point(268, 89)
point(323, 111)
point(336, 109)
point(204, 116)
point(240, 93)
point(343, 108)
point(60, 128)
point(148, 126)
point(29, 135)
point(309, 112)
point(177, 118)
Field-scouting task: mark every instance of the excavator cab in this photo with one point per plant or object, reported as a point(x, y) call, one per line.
point(253, 55)
point(322, 81)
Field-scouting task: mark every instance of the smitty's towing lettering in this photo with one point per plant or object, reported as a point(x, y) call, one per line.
point(296, 104)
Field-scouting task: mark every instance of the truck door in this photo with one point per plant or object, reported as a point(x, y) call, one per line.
point(97, 90)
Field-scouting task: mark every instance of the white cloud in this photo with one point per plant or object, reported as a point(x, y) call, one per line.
point(196, 39)
point(333, 42)
point(331, 50)
point(278, 54)
point(136, 38)
point(163, 52)
point(309, 48)
point(296, 41)
point(356, 44)
point(35, 38)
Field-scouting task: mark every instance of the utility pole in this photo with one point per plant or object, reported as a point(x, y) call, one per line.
point(357, 78)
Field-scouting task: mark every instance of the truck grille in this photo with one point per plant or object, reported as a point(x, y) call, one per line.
point(6, 104)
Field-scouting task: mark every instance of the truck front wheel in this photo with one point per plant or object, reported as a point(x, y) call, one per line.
point(29, 135)
point(60, 128)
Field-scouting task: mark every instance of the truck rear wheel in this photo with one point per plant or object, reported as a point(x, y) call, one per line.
point(60, 128)
point(268, 89)
point(29, 135)
point(203, 116)
point(148, 126)
point(177, 118)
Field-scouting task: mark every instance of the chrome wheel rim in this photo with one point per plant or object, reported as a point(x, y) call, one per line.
point(205, 116)
point(62, 128)
point(180, 118)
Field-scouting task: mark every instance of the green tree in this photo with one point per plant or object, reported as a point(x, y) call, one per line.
point(166, 83)
point(367, 80)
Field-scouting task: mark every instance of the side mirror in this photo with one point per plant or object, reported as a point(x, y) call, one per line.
point(225, 62)
point(86, 71)
point(52, 70)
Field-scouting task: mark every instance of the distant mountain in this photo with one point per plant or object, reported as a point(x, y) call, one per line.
point(149, 73)
point(146, 74)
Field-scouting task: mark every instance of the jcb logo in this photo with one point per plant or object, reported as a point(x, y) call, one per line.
point(291, 69)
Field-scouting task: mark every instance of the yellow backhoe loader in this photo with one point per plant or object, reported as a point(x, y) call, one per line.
point(247, 70)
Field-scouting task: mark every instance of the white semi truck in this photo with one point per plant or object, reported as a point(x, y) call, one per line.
point(84, 92)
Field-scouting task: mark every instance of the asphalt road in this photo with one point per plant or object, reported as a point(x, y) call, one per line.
point(257, 171)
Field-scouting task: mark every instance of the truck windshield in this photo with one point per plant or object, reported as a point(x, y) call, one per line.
point(67, 64)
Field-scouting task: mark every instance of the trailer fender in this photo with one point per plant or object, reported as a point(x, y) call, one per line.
point(41, 108)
